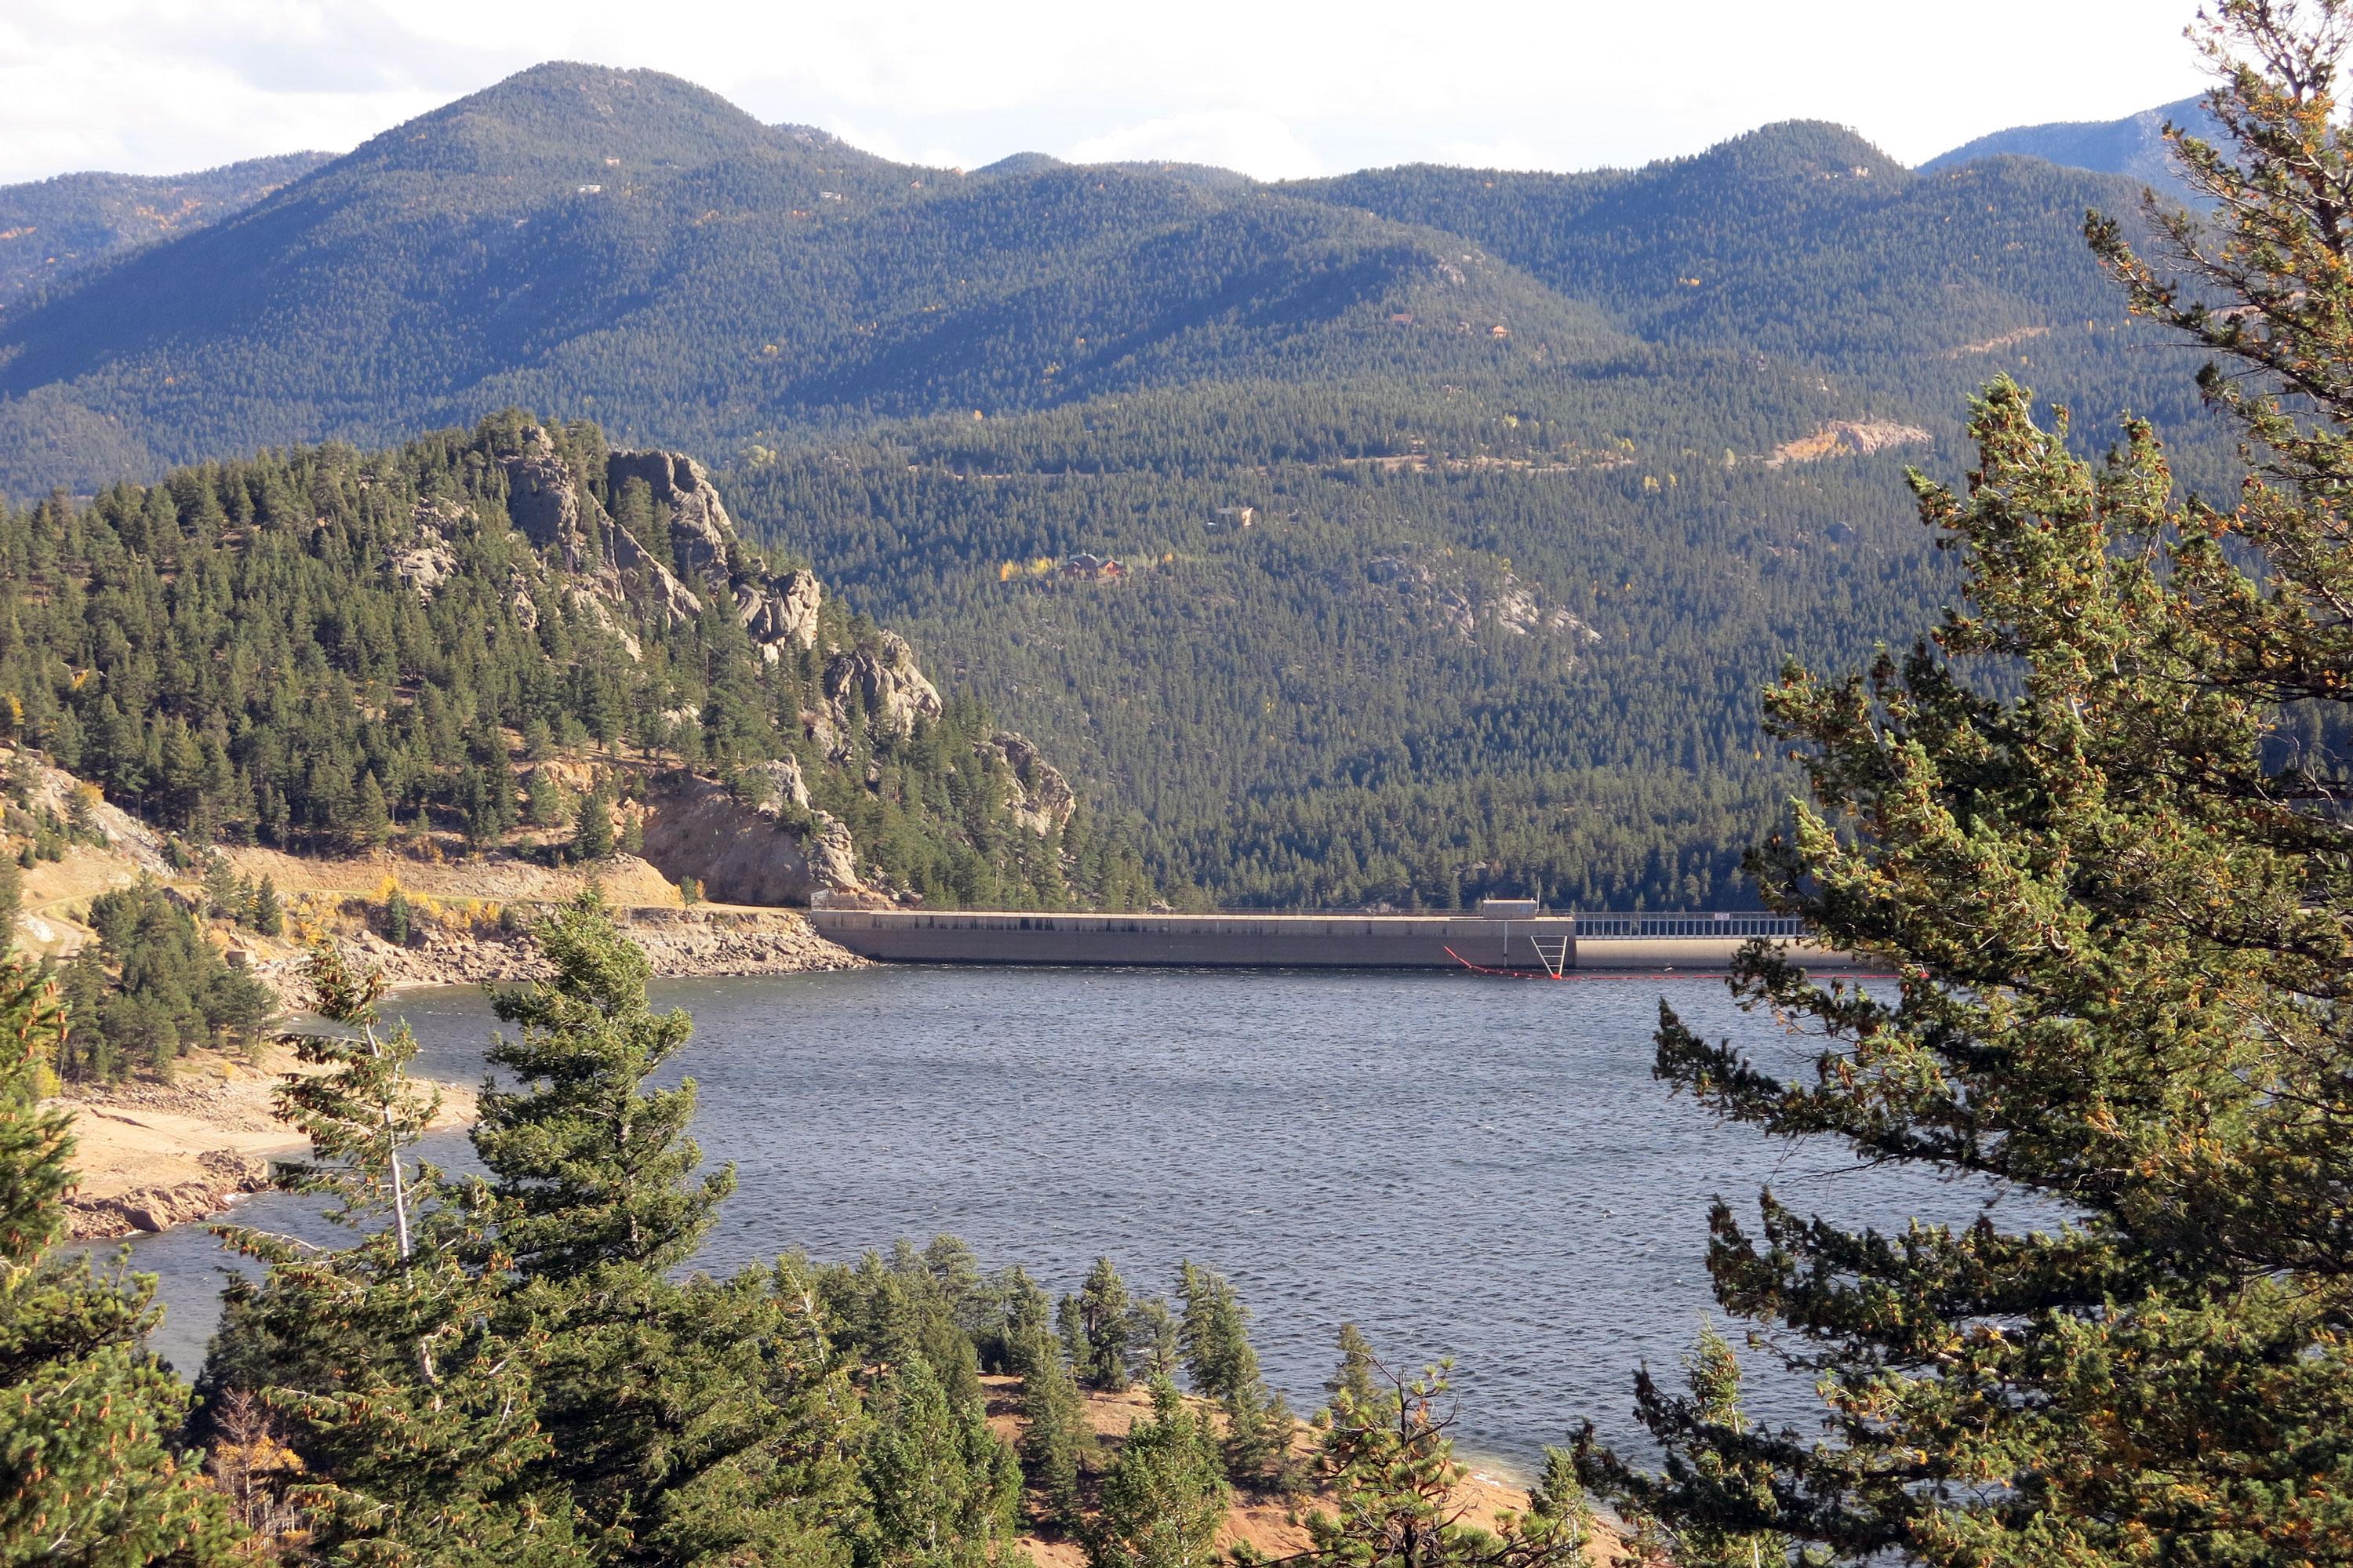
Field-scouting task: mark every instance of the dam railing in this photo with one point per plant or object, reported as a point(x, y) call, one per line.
point(1603, 927)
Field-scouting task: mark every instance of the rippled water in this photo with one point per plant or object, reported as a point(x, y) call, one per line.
point(1467, 1168)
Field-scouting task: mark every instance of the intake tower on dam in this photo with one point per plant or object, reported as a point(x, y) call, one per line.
point(1508, 935)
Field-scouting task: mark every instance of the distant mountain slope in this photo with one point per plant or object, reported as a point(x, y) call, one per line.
point(1804, 243)
point(1461, 513)
point(50, 229)
point(626, 242)
point(2134, 146)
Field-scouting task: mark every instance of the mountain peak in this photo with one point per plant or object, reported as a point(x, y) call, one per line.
point(2133, 146)
point(1802, 149)
point(569, 116)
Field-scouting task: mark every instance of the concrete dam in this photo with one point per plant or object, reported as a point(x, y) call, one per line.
point(1511, 938)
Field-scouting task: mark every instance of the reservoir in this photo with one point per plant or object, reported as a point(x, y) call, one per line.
point(1473, 1168)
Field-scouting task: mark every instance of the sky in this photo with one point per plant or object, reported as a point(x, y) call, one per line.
point(1274, 88)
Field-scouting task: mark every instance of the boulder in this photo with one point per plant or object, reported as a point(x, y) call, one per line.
point(543, 501)
point(778, 612)
point(885, 680)
point(778, 851)
point(1042, 799)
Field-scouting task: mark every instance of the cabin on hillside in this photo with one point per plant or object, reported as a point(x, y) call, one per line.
point(1093, 568)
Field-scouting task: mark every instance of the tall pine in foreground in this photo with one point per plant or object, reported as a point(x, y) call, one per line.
point(384, 1365)
point(2114, 878)
point(90, 1474)
point(703, 1421)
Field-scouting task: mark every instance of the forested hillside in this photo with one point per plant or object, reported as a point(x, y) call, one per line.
point(50, 229)
point(1543, 474)
point(2134, 146)
point(482, 634)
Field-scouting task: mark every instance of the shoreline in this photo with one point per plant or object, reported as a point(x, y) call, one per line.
point(154, 1154)
point(149, 1154)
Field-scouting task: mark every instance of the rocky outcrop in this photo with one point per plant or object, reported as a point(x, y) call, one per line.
point(779, 611)
point(1042, 799)
point(1459, 602)
point(426, 567)
point(543, 501)
point(883, 683)
point(1848, 438)
point(648, 584)
point(54, 790)
point(783, 612)
point(772, 851)
point(778, 783)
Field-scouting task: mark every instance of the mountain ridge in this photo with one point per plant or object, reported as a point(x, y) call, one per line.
point(2133, 146)
point(941, 386)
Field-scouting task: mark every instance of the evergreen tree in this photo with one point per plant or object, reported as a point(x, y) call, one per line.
point(1095, 1327)
point(593, 840)
point(90, 1473)
point(1352, 1376)
point(600, 1168)
point(1054, 1436)
point(2112, 877)
point(543, 801)
point(149, 987)
point(946, 1491)
point(265, 914)
point(412, 1412)
point(361, 1107)
point(1164, 1498)
point(223, 898)
point(1222, 1365)
point(690, 1422)
point(1741, 1492)
point(372, 817)
point(397, 917)
point(1154, 1347)
point(1389, 1466)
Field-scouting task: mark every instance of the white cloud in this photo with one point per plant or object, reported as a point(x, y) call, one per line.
point(1272, 86)
point(1251, 140)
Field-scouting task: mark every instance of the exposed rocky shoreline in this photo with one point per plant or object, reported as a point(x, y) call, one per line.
point(152, 1154)
point(682, 943)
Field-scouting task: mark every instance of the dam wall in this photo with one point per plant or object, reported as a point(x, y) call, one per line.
point(1518, 942)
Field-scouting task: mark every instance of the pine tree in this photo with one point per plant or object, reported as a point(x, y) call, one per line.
point(222, 895)
point(1352, 1376)
point(1164, 1498)
point(1389, 1463)
point(543, 801)
point(412, 1411)
point(360, 1108)
point(1054, 1438)
point(703, 1421)
point(90, 1473)
point(594, 837)
point(1222, 1365)
point(1739, 1493)
point(1095, 1329)
point(946, 1490)
point(2112, 878)
point(265, 914)
point(1154, 1348)
point(372, 817)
